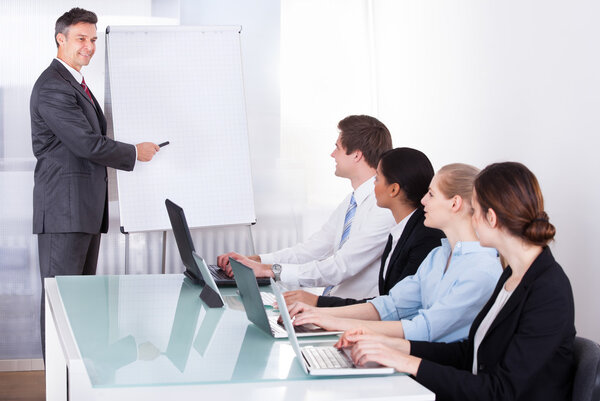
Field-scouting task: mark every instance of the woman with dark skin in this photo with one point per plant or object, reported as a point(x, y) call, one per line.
point(403, 177)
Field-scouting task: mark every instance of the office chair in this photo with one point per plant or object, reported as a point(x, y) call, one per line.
point(586, 384)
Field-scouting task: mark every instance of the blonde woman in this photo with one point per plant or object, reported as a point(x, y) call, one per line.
point(440, 301)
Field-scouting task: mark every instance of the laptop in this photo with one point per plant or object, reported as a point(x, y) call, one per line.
point(323, 360)
point(205, 275)
point(183, 238)
point(255, 311)
point(267, 298)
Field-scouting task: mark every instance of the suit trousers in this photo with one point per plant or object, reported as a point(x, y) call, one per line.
point(65, 254)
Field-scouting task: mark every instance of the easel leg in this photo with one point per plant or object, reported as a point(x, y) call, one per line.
point(126, 253)
point(251, 238)
point(164, 253)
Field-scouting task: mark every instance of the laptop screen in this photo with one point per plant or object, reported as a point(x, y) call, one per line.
point(287, 323)
point(205, 273)
point(250, 294)
point(183, 238)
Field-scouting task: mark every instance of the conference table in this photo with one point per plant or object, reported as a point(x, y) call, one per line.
point(151, 337)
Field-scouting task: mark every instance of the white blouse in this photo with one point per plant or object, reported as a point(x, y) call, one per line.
point(483, 328)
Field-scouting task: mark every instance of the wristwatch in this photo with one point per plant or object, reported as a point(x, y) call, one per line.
point(276, 268)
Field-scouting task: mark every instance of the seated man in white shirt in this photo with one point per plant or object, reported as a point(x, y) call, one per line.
point(344, 255)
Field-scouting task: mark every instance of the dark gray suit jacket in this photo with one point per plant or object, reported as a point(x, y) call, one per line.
point(68, 134)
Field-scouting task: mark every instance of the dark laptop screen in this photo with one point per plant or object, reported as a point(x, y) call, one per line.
point(183, 238)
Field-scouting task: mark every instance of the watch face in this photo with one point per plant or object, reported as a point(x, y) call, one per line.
point(276, 268)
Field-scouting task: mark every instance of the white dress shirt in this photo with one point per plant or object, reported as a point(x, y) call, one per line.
point(76, 74)
point(353, 270)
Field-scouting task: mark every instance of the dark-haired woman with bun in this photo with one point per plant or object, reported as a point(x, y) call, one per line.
point(520, 345)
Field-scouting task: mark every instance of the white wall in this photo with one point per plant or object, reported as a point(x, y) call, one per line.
point(515, 80)
point(464, 81)
point(260, 54)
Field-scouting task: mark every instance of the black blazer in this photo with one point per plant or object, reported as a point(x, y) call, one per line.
point(413, 246)
point(68, 133)
point(527, 353)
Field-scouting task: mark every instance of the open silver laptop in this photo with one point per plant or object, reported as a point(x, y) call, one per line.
point(205, 273)
point(322, 360)
point(255, 311)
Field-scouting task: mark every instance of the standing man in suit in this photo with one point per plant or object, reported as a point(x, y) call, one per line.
point(68, 133)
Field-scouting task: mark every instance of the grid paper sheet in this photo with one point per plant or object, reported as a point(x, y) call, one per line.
point(183, 85)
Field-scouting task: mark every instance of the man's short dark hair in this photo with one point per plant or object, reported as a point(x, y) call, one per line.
point(367, 134)
point(72, 17)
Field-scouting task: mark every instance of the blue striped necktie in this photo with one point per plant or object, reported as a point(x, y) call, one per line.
point(346, 233)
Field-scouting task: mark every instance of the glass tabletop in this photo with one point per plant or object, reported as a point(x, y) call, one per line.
point(154, 330)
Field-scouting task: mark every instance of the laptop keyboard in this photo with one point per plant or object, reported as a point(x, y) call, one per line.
point(302, 329)
point(217, 273)
point(267, 298)
point(325, 358)
point(222, 278)
point(277, 327)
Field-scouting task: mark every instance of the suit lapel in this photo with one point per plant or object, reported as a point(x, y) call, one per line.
point(539, 266)
point(400, 249)
point(514, 301)
point(71, 79)
point(485, 310)
point(93, 102)
point(386, 252)
point(99, 113)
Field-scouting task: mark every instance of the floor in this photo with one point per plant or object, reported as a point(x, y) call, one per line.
point(23, 386)
point(19, 326)
point(19, 297)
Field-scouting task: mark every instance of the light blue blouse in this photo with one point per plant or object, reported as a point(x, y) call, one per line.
point(439, 306)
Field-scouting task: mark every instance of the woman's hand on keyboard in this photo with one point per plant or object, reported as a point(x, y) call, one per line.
point(367, 351)
point(354, 335)
point(305, 314)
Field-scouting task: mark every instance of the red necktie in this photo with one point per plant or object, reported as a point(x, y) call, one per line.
point(85, 88)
